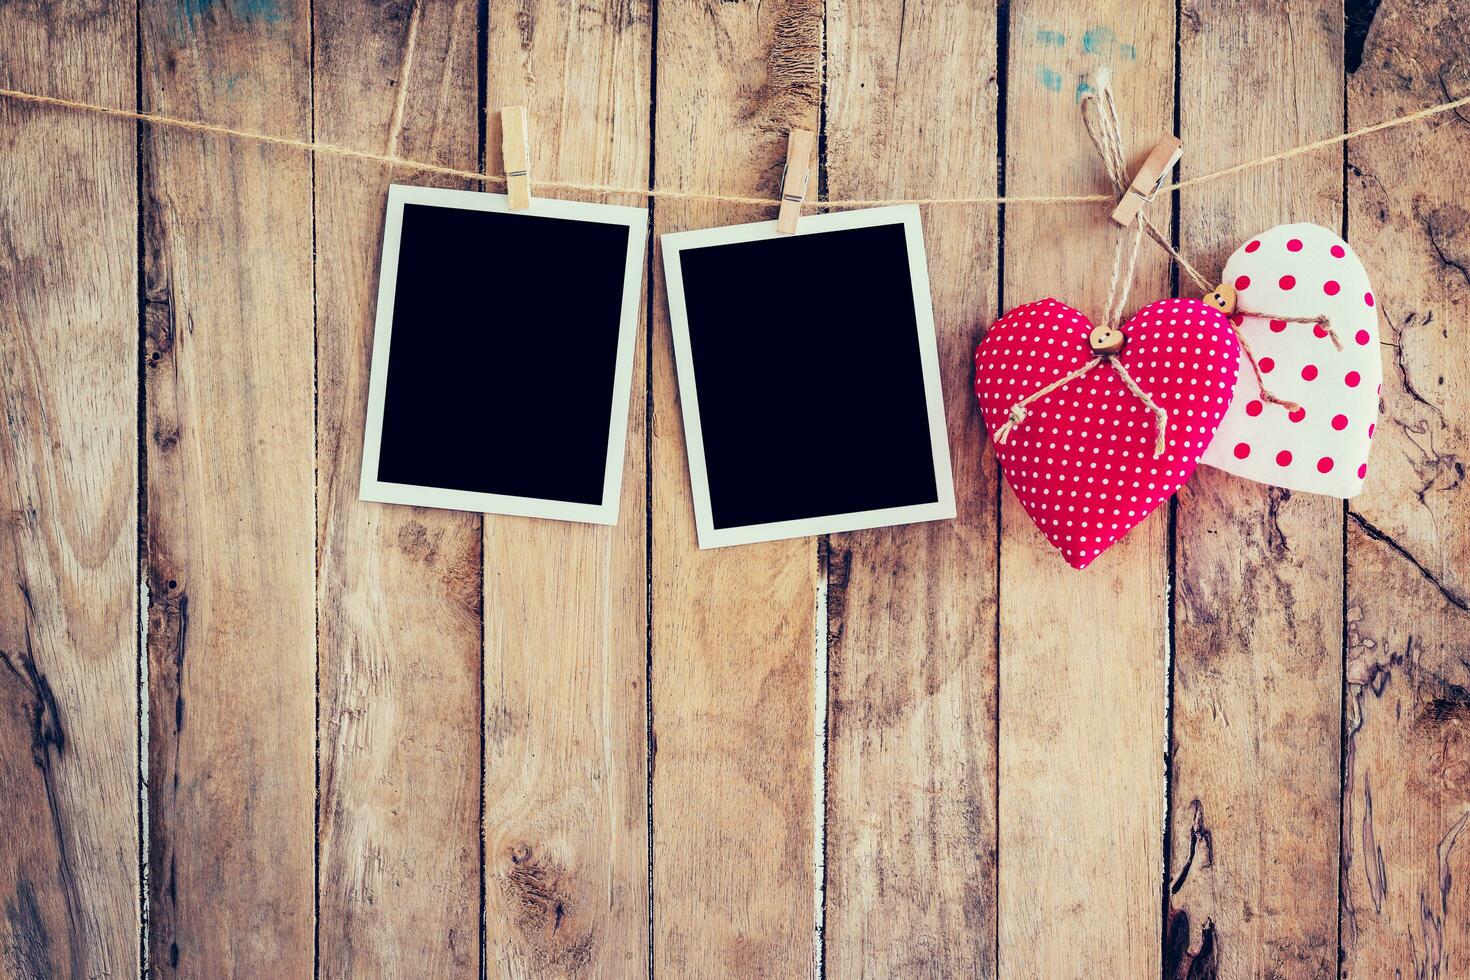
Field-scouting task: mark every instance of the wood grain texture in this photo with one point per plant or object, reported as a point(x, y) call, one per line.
point(1082, 654)
point(982, 818)
point(1258, 607)
point(910, 829)
point(229, 460)
point(733, 629)
point(566, 625)
point(1406, 805)
point(398, 587)
point(69, 903)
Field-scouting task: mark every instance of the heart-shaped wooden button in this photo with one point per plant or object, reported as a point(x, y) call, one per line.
point(1081, 459)
point(1303, 270)
point(1106, 340)
point(1221, 298)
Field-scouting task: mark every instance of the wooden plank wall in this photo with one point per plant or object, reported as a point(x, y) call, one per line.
point(69, 740)
point(398, 588)
point(733, 629)
point(566, 612)
point(1406, 795)
point(1081, 721)
point(910, 883)
point(229, 455)
point(252, 726)
point(1258, 580)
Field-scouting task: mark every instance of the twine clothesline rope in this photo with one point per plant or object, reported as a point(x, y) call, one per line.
point(392, 159)
point(1102, 127)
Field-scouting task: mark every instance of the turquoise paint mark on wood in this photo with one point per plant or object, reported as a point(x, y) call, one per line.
point(1082, 89)
point(1051, 39)
point(1097, 40)
point(1049, 79)
point(189, 13)
point(1102, 41)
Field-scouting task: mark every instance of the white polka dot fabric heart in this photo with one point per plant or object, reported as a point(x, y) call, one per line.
point(1302, 270)
point(1082, 461)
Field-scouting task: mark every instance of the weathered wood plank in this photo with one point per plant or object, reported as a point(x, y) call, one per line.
point(566, 625)
point(1258, 627)
point(1406, 810)
point(733, 629)
point(911, 610)
point(1082, 654)
point(399, 588)
point(69, 498)
point(229, 460)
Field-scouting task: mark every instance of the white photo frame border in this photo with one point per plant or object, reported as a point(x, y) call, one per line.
point(379, 491)
point(943, 508)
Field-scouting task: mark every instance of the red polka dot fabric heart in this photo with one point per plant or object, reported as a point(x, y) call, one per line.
point(1303, 270)
point(1082, 461)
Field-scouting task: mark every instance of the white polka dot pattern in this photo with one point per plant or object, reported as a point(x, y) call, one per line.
point(1082, 464)
point(1303, 270)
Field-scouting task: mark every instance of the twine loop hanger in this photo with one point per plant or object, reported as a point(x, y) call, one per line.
point(1100, 117)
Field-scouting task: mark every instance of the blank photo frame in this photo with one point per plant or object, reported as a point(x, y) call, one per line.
point(809, 376)
point(503, 354)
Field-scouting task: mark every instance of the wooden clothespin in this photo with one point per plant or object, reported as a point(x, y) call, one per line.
point(1150, 177)
point(795, 178)
point(515, 149)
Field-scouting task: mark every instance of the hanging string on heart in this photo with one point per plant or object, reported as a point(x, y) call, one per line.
point(1319, 319)
point(1100, 116)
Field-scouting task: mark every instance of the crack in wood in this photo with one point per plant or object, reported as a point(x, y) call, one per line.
point(1201, 841)
point(168, 646)
point(1451, 595)
point(27, 953)
point(1179, 962)
point(1358, 17)
point(1403, 368)
point(48, 742)
point(1435, 228)
point(1374, 869)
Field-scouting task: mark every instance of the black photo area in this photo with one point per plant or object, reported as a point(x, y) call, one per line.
point(806, 363)
point(501, 364)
